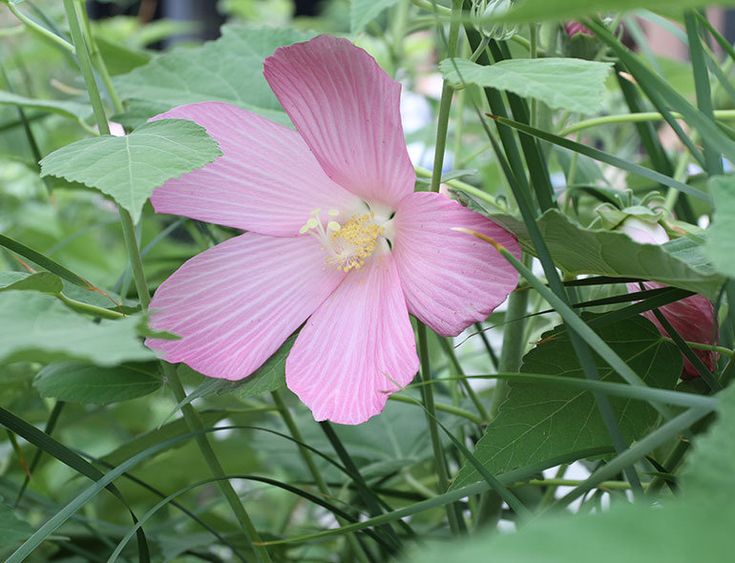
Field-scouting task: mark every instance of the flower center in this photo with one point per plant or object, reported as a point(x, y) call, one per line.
point(349, 244)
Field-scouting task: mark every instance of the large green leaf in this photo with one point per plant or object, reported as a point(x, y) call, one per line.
point(720, 245)
point(578, 250)
point(693, 527)
point(78, 382)
point(13, 530)
point(362, 12)
point(228, 70)
point(37, 327)
point(130, 167)
point(571, 84)
point(537, 10)
point(540, 421)
point(71, 110)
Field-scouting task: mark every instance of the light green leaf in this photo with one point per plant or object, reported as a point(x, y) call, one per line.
point(560, 10)
point(37, 327)
point(362, 12)
point(710, 467)
point(228, 70)
point(45, 282)
point(578, 250)
point(71, 110)
point(693, 527)
point(538, 422)
point(77, 382)
point(13, 530)
point(720, 246)
point(129, 168)
point(571, 84)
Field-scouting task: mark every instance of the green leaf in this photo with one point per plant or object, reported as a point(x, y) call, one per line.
point(692, 527)
point(120, 58)
point(39, 328)
point(720, 245)
point(129, 168)
point(539, 421)
point(71, 110)
point(560, 10)
point(362, 12)
point(43, 282)
point(13, 530)
point(227, 70)
point(578, 251)
point(710, 467)
point(77, 382)
point(571, 84)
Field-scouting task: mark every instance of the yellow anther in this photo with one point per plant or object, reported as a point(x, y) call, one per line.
point(355, 242)
point(333, 212)
point(333, 226)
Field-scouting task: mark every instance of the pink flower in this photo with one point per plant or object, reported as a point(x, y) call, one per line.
point(336, 239)
point(692, 317)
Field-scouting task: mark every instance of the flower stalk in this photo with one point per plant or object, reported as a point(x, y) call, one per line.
point(74, 16)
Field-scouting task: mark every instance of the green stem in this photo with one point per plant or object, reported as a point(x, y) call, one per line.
point(451, 409)
point(712, 347)
point(39, 29)
point(440, 463)
point(73, 14)
point(721, 114)
point(100, 66)
point(671, 463)
point(451, 356)
point(319, 481)
point(90, 309)
point(464, 187)
point(445, 103)
point(194, 423)
point(514, 346)
point(604, 485)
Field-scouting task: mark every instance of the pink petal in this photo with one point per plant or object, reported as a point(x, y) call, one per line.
point(450, 279)
point(236, 303)
point(267, 180)
point(694, 319)
point(347, 110)
point(357, 348)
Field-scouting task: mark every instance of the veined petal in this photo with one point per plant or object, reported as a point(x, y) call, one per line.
point(267, 181)
point(347, 110)
point(236, 303)
point(450, 279)
point(357, 348)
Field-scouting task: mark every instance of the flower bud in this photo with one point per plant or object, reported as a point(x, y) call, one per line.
point(484, 10)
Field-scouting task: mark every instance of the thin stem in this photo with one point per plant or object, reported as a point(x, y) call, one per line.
point(463, 187)
point(194, 423)
point(514, 345)
point(449, 351)
point(440, 463)
point(445, 103)
point(319, 481)
point(39, 29)
point(451, 409)
point(642, 117)
point(100, 66)
point(73, 14)
point(90, 309)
